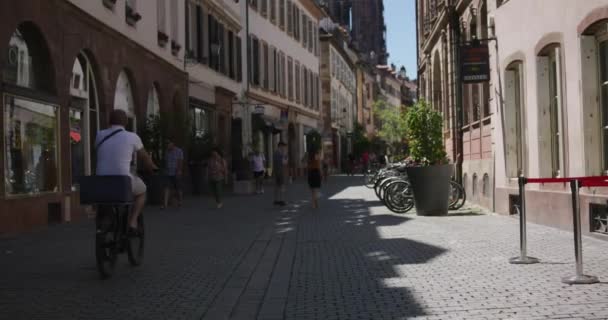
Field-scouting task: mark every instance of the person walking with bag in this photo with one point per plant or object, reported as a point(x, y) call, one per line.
point(217, 175)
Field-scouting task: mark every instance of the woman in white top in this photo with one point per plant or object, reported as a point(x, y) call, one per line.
point(258, 162)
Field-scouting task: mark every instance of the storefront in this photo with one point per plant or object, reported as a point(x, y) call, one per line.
point(56, 92)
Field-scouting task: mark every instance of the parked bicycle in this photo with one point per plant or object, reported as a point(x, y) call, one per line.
point(113, 198)
point(392, 187)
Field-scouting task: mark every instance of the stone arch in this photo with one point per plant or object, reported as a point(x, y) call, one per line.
point(29, 62)
point(474, 185)
point(548, 40)
point(485, 189)
point(594, 17)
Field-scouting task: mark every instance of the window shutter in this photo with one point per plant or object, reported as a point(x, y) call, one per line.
point(544, 117)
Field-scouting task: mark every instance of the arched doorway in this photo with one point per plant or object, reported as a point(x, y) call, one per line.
point(123, 99)
point(31, 115)
point(84, 116)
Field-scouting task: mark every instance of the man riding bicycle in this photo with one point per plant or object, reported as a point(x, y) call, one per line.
point(116, 148)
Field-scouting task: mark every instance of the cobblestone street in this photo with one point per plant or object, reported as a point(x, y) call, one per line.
point(352, 259)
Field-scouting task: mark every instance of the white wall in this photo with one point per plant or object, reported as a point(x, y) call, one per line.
point(520, 25)
point(145, 31)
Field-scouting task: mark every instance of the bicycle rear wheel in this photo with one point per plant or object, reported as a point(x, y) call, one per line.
point(458, 196)
point(399, 198)
point(135, 244)
point(106, 241)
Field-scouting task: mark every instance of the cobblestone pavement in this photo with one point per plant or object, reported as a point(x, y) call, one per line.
point(352, 259)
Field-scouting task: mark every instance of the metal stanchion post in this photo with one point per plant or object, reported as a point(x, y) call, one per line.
point(523, 254)
point(579, 278)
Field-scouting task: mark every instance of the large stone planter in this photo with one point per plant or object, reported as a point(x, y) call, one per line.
point(431, 188)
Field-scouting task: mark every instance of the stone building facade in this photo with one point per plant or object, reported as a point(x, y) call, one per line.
point(552, 95)
point(468, 110)
point(63, 71)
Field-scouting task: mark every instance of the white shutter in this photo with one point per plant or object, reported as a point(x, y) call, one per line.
point(544, 117)
point(511, 114)
point(592, 119)
point(161, 16)
point(560, 112)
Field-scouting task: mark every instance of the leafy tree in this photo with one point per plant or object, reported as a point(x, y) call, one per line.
point(393, 126)
point(425, 134)
point(360, 141)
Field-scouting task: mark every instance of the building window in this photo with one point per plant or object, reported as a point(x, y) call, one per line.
point(550, 111)
point(310, 35)
point(283, 79)
point(191, 30)
point(603, 86)
point(161, 16)
point(255, 44)
point(297, 81)
point(275, 71)
point(289, 11)
point(265, 66)
point(231, 56)
point(239, 62)
point(305, 83)
point(304, 30)
point(290, 78)
point(273, 11)
point(486, 185)
point(253, 4)
point(282, 14)
point(31, 146)
point(201, 119)
point(174, 22)
point(474, 185)
point(271, 69)
point(514, 120)
point(296, 22)
point(264, 7)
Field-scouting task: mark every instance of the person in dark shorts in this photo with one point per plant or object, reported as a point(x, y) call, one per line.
point(314, 176)
point(174, 169)
point(280, 161)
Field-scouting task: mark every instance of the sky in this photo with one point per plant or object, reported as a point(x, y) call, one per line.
point(400, 19)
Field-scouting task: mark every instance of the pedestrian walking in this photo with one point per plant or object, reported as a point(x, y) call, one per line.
point(350, 167)
point(314, 176)
point(173, 169)
point(325, 168)
point(280, 162)
point(258, 163)
point(217, 175)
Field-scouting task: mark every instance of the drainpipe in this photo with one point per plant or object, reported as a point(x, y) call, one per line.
point(455, 23)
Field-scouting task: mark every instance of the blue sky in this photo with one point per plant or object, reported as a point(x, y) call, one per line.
point(400, 19)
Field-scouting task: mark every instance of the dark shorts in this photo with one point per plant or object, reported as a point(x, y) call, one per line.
point(258, 174)
point(174, 182)
point(314, 178)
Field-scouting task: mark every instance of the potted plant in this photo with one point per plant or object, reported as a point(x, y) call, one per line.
point(428, 169)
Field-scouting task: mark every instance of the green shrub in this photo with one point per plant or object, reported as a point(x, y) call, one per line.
point(425, 134)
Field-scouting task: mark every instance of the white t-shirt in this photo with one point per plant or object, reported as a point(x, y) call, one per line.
point(258, 162)
point(114, 156)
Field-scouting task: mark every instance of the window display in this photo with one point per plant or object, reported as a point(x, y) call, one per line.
point(30, 133)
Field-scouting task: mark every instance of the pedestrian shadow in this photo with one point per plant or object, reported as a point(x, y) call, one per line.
point(350, 262)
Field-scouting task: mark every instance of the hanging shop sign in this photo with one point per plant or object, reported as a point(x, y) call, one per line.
point(475, 63)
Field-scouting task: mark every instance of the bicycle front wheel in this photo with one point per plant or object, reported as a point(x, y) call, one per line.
point(135, 243)
point(106, 241)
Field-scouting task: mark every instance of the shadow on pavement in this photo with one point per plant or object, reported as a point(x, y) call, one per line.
point(348, 259)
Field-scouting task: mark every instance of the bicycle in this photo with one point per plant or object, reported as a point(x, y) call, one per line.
point(113, 198)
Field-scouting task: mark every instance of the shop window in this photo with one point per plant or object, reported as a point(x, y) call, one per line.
point(83, 105)
point(550, 115)
point(153, 107)
point(31, 146)
point(514, 120)
point(123, 99)
point(201, 122)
